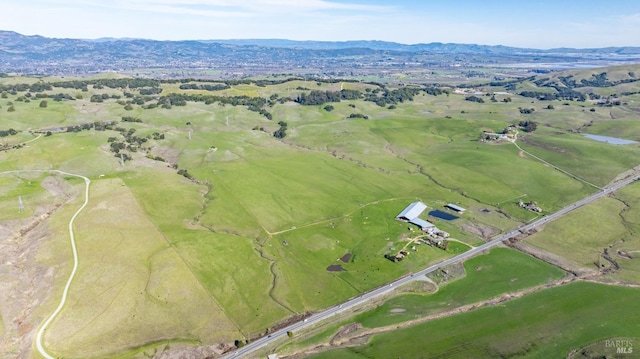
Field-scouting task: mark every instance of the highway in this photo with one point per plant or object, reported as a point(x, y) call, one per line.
point(380, 291)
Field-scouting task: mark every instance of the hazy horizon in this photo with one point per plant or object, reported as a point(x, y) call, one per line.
point(542, 24)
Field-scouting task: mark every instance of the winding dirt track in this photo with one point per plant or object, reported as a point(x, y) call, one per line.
point(63, 300)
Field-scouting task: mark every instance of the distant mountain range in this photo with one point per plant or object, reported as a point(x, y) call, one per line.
point(437, 47)
point(42, 55)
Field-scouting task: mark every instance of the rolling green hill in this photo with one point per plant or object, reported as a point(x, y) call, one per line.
point(212, 229)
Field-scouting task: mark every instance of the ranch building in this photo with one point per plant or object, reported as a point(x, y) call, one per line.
point(422, 224)
point(455, 208)
point(412, 211)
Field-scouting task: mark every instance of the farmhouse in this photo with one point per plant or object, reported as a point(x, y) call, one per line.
point(412, 211)
point(455, 208)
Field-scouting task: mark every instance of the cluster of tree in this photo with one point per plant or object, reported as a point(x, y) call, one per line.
point(239, 343)
point(157, 136)
point(155, 158)
point(130, 119)
point(509, 84)
point(317, 97)
point(122, 83)
point(563, 93)
point(526, 111)
point(56, 97)
point(473, 98)
point(59, 97)
point(380, 96)
point(207, 87)
point(528, 126)
point(601, 80)
point(282, 131)
point(185, 174)
point(358, 115)
point(610, 102)
point(102, 97)
point(436, 91)
point(130, 143)
point(15, 88)
point(98, 126)
point(24, 98)
point(392, 97)
point(260, 83)
point(145, 91)
point(255, 104)
point(9, 132)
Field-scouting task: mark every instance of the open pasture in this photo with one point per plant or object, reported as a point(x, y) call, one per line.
point(262, 218)
point(367, 234)
point(502, 270)
point(132, 287)
point(578, 155)
point(546, 324)
point(583, 234)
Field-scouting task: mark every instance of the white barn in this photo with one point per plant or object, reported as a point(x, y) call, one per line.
point(412, 211)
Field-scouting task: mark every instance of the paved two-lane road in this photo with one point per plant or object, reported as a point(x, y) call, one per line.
point(318, 317)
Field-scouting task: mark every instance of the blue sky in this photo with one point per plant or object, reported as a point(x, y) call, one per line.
point(521, 23)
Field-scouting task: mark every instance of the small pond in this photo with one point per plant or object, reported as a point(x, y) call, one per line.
point(345, 258)
point(611, 140)
point(335, 268)
point(443, 215)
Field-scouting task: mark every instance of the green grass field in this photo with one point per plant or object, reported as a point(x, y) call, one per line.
point(627, 248)
point(547, 324)
point(503, 270)
point(583, 234)
point(255, 231)
point(130, 280)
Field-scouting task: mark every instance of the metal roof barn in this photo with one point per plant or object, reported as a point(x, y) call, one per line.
point(412, 211)
point(421, 223)
point(455, 208)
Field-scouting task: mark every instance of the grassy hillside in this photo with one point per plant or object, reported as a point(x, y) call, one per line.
point(237, 227)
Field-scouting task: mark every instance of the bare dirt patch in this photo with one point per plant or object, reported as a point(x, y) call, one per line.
point(479, 229)
point(26, 283)
point(397, 310)
point(169, 154)
point(204, 351)
point(345, 332)
point(58, 188)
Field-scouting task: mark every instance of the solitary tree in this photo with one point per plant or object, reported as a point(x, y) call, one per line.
point(43, 103)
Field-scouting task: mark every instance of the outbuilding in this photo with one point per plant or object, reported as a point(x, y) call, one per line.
point(412, 211)
point(455, 208)
point(422, 224)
